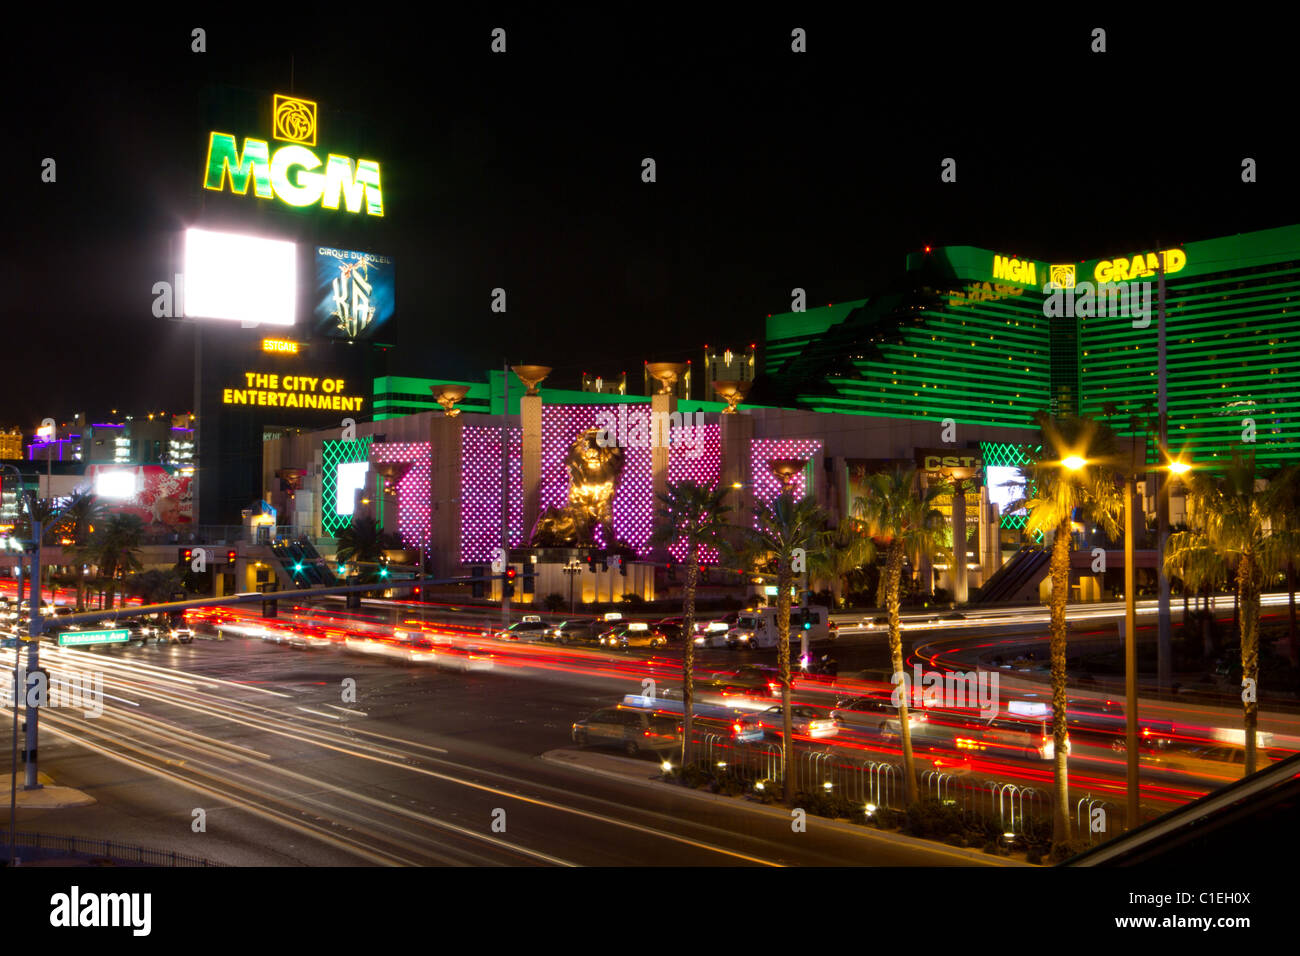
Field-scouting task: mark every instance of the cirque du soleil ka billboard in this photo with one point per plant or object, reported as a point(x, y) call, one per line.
point(355, 292)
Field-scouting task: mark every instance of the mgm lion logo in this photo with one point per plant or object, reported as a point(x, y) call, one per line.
point(594, 471)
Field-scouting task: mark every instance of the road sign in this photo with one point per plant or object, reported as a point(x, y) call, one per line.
point(119, 635)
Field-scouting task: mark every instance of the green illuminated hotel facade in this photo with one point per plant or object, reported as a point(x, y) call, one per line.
point(968, 337)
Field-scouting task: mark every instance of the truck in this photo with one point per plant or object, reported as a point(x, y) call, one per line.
point(758, 628)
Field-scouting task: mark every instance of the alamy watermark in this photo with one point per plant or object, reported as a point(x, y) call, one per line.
point(681, 432)
point(1103, 299)
point(954, 689)
point(84, 692)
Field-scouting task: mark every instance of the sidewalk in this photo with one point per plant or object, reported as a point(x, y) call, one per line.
point(49, 797)
point(643, 773)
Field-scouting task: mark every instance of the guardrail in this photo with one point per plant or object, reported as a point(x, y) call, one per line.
point(861, 781)
point(47, 843)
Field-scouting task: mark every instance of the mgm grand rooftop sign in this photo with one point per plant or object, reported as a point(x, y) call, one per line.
point(292, 173)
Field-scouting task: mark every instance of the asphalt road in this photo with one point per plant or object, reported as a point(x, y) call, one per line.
point(416, 770)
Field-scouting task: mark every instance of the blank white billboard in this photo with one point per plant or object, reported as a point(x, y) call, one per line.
point(115, 484)
point(240, 278)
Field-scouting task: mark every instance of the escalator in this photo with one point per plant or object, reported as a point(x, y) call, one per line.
point(1018, 579)
point(303, 564)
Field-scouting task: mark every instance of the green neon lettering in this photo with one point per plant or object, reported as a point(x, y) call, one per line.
point(225, 163)
point(307, 190)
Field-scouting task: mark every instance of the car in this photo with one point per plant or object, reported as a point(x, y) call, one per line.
point(876, 712)
point(634, 634)
point(1216, 760)
point(572, 632)
point(525, 630)
point(141, 631)
point(1002, 735)
point(179, 634)
point(712, 634)
point(805, 720)
point(633, 730)
point(671, 627)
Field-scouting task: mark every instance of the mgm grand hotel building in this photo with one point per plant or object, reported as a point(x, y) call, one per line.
point(942, 372)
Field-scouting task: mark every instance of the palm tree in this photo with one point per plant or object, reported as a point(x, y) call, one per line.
point(1073, 470)
point(155, 586)
point(844, 550)
point(1289, 526)
point(909, 525)
point(115, 548)
point(783, 527)
point(82, 514)
point(1201, 569)
point(1239, 517)
point(40, 510)
point(363, 543)
point(692, 514)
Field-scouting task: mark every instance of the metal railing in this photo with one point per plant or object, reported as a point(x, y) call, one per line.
point(1095, 819)
point(121, 852)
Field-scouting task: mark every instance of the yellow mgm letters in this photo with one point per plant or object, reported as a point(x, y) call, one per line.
point(273, 175)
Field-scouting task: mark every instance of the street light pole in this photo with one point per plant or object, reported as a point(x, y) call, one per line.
point(1130, 652)
point(1164, 655)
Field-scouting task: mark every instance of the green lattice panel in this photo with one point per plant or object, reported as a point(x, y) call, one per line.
point(335, 452)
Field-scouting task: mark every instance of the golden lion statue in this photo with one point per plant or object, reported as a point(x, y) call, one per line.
point(594, 471)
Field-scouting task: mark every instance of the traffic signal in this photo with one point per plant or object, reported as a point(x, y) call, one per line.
point(185, 555)
point(230, 556)
point(591, 563)
point(383, 571)
point(509, 587)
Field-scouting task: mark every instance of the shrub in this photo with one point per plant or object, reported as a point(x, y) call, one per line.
point(554, 603)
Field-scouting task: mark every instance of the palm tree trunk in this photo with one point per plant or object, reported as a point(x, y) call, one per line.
point(893, 578)
point(688, 655)
point(1060, 572)
point(784, 579)
point(1207, 624)
point(1291, 629)
point(1248, 591)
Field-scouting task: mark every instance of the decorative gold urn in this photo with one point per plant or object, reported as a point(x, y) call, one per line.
point(666, 374)
point(732, 392)
point(448, 395)
point(531, 375)
point(786, 469)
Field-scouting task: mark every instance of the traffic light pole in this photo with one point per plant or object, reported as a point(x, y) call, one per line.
point(33, 658)
point(13, 779)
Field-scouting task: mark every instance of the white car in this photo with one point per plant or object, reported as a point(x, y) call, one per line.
point(803, 720)
point(179, 635)
point(714, 634)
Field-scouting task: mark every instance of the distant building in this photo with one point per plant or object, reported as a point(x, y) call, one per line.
point(605, 386)
point(11, 444)
point(727, 366)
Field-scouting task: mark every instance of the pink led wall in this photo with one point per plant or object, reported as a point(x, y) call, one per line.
point(763, 450)
point(480, 492)
point(704, 468)
point(633, 501)
point(412, 489)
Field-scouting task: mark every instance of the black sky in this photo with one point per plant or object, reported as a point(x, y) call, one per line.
point(522, 170)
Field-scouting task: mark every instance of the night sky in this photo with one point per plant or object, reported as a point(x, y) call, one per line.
point(522, 170)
